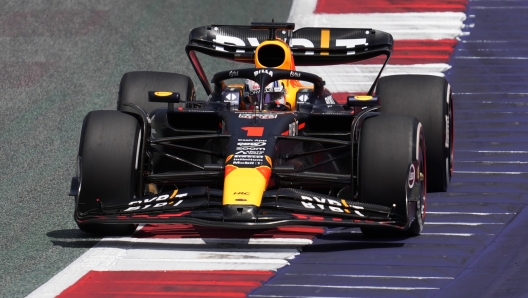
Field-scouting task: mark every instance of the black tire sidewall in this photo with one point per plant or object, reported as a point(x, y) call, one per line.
point(428, 98)
point(108, 153)
point(387, 147)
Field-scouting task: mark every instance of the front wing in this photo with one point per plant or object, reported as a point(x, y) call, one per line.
point(284, 206)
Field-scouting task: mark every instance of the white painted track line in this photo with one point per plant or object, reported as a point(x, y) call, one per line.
point(128, 253)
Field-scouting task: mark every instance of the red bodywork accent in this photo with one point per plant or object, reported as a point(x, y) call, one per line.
point(174, 214)
point(140, 216)
point(265, 171)
point(171, 231)
point(308, 217)
point(197, 65)
point(254, 131)
point(229, 169)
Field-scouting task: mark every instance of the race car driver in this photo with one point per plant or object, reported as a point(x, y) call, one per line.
point(274, 96)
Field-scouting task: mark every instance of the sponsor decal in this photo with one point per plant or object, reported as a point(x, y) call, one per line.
point(329, 99)
point(251, 143)
point(347, 43)
point(233, 73)
point(295, 74)
point(302, 42)
point(162, 93)
point(249, 152)
point(241, 152)
point(268, 72)
point(315, 202)
point(351, 43)
point(155, 202)
point(329, 205)
point(303, 98)
point(247, 160)
point(232, 40)
point(325, 40)
point(412, 176)
point(363, 97)
point(222, 40)
point(231, 97)
point(251, 148)
point(260, 116)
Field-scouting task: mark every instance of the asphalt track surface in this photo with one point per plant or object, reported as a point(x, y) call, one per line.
point(64, 59)
point(60, 60)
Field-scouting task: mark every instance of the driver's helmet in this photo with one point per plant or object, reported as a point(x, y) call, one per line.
point(273, 93)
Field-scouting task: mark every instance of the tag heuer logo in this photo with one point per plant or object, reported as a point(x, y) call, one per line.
point(231, 97)
point(303, 98)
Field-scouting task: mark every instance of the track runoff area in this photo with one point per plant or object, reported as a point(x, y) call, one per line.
point(465, 227)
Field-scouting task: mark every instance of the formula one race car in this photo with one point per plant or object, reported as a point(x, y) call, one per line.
point(274, 150)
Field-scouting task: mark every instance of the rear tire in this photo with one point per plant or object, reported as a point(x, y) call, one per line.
point(108, 161)
point(388, 145)
point(428, 98)
point(134, 88)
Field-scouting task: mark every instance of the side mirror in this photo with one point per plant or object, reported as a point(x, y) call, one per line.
point(164, 96)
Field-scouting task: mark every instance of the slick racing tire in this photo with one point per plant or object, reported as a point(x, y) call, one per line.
point(134, 88)
point(428, 98)
point(107, 167)
point(389, 147)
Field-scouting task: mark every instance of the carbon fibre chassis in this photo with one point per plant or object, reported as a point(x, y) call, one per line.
point(284, 206)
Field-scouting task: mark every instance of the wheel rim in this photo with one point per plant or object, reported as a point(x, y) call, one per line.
point(451, 139)
point(423, 171)
point(448, 139)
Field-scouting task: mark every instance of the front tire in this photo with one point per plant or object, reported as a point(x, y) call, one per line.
point(108, 163)
point(429, 99)
point(389, 146)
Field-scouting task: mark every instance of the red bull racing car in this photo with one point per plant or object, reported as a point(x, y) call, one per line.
point(276, 149)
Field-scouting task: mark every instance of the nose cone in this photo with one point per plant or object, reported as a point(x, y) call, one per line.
point(240, 212)
point(245, 186)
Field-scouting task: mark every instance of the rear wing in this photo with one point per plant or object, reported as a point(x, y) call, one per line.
point(310, 46)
